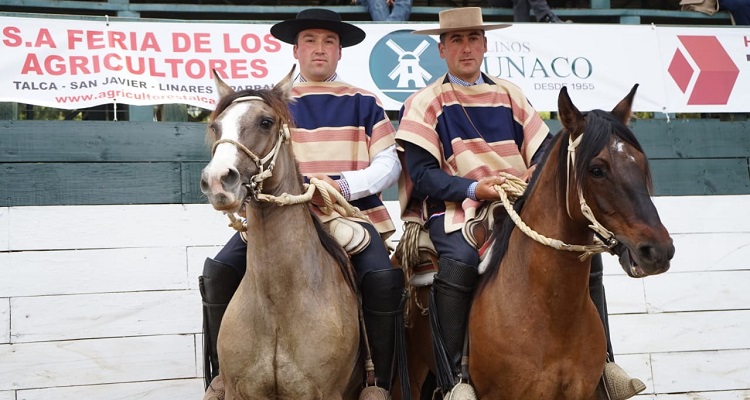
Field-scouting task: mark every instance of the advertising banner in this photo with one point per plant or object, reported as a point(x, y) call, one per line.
point(705, 70)
point(53, 62)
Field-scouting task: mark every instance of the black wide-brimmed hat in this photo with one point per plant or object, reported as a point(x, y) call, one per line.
point(318, 18)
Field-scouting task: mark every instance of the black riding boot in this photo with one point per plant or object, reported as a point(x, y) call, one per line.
point(217, 286)
point(383, 298)
point(450, 302)
point(619, 385)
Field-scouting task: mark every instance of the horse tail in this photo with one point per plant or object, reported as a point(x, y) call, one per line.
point(336, 251)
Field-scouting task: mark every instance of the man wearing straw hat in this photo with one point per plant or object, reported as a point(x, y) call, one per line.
point(342, 136)
point(438, 129)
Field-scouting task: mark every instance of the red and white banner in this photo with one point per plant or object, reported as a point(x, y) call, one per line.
point(74, 64)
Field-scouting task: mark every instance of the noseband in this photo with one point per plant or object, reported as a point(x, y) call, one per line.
point(265, 171)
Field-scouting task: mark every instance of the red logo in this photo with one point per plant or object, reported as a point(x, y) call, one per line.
point(717, 73)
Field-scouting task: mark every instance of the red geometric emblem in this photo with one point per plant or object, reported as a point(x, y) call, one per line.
point(717, 73)
point(680, 70)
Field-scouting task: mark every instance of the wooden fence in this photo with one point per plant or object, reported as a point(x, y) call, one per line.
point(101, 302)
point(88, 162)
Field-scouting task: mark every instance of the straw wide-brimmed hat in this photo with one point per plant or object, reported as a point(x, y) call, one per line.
point(460, 19)
point(318, 18)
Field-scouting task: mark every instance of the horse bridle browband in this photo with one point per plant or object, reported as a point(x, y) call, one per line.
point(264, 172)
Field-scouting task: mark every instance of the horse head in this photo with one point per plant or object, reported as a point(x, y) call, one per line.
point(608, 174)
point(249, 132)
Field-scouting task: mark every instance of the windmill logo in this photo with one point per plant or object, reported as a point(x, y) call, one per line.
point(402, 63)
point(408, 69)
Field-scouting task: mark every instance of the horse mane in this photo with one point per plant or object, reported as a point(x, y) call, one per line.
point(599, 126)
point(277, 100)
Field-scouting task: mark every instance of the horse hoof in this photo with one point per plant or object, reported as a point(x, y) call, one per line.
point(215, 391)
point(462, 391)
point(374, 393)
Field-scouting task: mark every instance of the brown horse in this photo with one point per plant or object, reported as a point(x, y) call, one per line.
point(534, 332)
point(291, 330)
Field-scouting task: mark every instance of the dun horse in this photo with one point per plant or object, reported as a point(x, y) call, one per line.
point(291, 330)
point(534, 332)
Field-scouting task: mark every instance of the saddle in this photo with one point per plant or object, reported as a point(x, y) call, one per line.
point(478, 229)
point(418, 253)
point(353, 237)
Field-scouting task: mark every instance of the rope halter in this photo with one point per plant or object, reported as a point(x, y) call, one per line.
point(604, 235)
point(334, 201)
point(266, 163)
point(514, 187)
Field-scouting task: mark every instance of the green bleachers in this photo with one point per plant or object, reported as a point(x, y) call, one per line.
point(588, 11)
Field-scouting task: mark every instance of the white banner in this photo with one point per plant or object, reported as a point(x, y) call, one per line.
point(74, 64)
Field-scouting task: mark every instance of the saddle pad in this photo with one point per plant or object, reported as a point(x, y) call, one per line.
point(423, 274)
point(352, 236)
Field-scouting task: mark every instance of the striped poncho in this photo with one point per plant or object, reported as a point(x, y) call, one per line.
point(473, 132)
point(341, 128)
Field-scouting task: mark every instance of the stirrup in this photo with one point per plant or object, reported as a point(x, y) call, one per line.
point(215, 391)
point(374, 393)
point(618, 385)
point(462, 391)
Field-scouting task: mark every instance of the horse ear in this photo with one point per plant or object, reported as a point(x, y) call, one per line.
point(222, 87)
point(285, 85)
point(570, 117)
point(624, 109)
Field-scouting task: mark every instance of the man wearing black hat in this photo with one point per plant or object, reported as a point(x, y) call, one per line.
point(344, 137)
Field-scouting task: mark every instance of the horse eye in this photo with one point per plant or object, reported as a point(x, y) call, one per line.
point(214, 128)
point(266, 123)
point(597, 172)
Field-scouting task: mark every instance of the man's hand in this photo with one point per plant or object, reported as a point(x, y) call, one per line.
point(485, 189)
point(317, 199)
point(529, 172)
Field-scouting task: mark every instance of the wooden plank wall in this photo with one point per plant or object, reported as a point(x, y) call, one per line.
point(101, 302)
point(65, 163)
point(694, 156)
point(87, 163)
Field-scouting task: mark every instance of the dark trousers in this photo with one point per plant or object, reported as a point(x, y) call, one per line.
point(373, 258)
point(451, 245)
point(740, 10)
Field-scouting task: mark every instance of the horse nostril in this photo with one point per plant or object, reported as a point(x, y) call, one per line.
point(648, 253)
point(204, 182)
point(231, 179)
point(656, 253)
